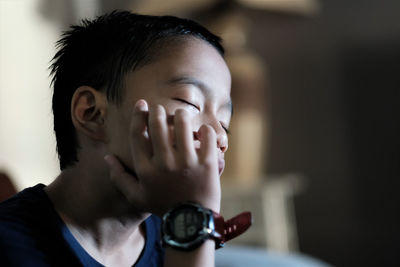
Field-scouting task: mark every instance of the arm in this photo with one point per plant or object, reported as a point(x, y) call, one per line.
point(200, 257)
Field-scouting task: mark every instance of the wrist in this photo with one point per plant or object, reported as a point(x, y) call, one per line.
point(214, 205)
point(202, 256)
point(211, 201)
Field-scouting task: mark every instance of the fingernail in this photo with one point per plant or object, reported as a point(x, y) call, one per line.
point(141, 105)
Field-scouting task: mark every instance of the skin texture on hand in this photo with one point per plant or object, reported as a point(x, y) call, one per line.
point(168, 172)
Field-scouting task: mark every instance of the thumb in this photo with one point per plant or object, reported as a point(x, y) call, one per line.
point(125, 182)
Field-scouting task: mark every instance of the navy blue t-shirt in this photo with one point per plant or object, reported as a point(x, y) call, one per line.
point(33, 234)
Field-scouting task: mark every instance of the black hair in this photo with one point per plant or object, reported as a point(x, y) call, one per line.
point(99, 53)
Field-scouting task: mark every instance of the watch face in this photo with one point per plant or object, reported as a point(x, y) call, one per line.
point(186, 224)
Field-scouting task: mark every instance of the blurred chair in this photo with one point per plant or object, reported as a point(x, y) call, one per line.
point(272, 239)
point(272, 206)
point(7, 188)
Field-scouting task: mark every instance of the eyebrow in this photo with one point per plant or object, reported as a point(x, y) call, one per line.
point(202, 87)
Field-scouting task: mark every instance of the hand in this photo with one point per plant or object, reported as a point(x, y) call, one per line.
point(168, 172)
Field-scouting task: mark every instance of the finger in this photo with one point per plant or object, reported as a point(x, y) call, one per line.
point(158, 129)
point(184, 136)
point(208, 146)
point(139, 142)
point(125, 183)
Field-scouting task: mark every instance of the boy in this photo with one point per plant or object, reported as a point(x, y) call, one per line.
point(141, 110)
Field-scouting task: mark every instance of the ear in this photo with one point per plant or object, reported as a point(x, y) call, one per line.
point(88, 110)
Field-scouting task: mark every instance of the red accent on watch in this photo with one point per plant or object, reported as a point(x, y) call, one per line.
point(231, 228)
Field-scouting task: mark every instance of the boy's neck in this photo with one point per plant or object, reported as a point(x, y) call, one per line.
point(99, 218)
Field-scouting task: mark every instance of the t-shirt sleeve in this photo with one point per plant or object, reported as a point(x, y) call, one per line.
point(29, 234)
point(18, 248)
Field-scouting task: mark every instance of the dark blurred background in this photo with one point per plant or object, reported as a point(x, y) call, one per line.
point(334, 103)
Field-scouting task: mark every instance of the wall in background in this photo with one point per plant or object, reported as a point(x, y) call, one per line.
point(27, 143)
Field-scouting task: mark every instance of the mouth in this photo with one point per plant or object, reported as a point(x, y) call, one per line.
point(221, 166)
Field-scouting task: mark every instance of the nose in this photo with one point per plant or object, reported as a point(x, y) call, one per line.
point(222, 141)
point(222, 137)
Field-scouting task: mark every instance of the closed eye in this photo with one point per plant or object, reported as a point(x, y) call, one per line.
point(225, 129)
point(187, 103)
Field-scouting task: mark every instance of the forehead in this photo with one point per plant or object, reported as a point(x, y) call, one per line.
point(187, 57)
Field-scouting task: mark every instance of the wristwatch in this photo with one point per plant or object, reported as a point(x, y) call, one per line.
point(188, 225)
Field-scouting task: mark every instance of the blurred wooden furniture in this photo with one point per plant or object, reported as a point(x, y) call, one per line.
point(272, 206)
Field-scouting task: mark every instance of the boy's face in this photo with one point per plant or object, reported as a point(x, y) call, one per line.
point(190, 75)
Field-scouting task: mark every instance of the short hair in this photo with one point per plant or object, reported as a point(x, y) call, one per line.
point(99, 53)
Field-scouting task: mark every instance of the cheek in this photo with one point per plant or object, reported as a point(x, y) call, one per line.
point(171, 135)
point(118, 143)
